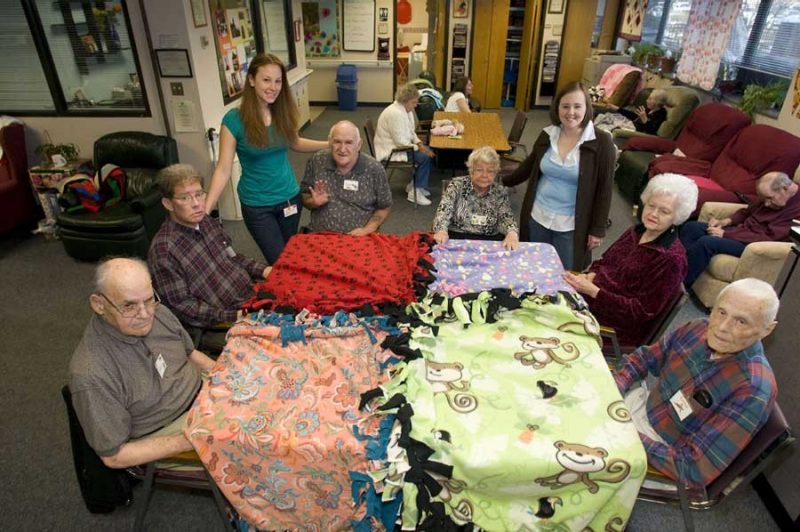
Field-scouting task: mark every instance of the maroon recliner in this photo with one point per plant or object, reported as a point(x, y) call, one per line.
point(17, 205)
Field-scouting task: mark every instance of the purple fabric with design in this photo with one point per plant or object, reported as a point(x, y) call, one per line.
point(474, 265)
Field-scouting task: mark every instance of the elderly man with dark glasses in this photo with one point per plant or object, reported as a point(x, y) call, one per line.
point(135, 373)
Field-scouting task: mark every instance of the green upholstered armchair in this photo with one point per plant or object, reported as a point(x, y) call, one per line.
point(681, 101)
point(127, 227)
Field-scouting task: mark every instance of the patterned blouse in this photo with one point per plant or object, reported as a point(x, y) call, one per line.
point(463, 210)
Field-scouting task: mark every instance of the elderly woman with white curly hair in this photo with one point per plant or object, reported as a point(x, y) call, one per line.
point(476, 206)
point(631, 284)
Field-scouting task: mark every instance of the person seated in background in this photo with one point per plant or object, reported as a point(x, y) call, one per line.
point(195, 268)
point(395, 129)
point(770, 220)
point(135, 373)
point(346, 191)
point(646, 118)
point(476, 206)
point(630, 285)
point(714, 387)
point(458, 102)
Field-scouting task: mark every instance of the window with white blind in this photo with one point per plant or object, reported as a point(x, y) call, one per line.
point(81, 54)
point(23, 86)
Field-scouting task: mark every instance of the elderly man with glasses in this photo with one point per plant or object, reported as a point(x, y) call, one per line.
point(195, 268)
point(135, 373)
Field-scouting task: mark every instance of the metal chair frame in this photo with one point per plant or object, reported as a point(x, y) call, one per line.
point(388, 164)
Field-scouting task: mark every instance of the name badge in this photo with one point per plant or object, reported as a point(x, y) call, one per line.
point(230, 252)
point(351, 184)
point(161, 365)
point(681, 405)
point(291, 210)
point(479, 219)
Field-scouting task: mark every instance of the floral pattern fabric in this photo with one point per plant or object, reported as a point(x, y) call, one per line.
point(464, 266)
point(278, 427)
point(707, 33)
point(513, 423)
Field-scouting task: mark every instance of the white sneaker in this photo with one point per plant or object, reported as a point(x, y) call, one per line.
point(421, 199)
point(425, 191)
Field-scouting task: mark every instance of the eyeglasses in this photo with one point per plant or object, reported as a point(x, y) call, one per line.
point(129, 310)
point(185, 198)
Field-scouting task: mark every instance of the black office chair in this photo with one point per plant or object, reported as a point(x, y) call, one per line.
point(510, 161)
point(388, 163)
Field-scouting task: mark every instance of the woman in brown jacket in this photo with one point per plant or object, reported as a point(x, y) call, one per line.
point(570, 174)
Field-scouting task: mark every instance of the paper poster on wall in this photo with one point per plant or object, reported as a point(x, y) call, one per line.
point(359, 25)
point(321, 28)
point(235, 42)
point(632, 20)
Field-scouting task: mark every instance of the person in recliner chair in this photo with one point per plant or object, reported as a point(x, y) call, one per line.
point(195, 269)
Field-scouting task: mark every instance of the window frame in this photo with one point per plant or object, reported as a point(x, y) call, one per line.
point(54, 84)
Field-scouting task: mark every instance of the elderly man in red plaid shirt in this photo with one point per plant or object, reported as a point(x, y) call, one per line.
point(714, 386)
point(195, 269)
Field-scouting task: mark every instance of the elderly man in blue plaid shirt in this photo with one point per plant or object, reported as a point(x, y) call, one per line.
point(714, 386)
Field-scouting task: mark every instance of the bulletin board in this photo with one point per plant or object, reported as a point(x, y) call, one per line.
point(359, 25)
point(232, 22)
point(321, 28)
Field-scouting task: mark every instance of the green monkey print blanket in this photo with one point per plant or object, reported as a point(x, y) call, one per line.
point(509, 420)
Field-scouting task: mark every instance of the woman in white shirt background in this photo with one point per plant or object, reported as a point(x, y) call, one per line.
point(396, 129)
point(570, 176)
point(458, 102)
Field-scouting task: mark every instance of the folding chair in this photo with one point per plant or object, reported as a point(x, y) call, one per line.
point(389, 165)
point(657, 328)
point(768, 445)
point(103, 488)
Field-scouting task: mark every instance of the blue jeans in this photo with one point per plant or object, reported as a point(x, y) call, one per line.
point(270, 228)
point(561, 240)
point(701, 247)
point(423, 170)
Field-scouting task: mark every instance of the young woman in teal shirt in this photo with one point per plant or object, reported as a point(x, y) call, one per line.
point(260, 132)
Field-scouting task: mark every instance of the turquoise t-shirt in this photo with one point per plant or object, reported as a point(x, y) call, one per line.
point(267, 177)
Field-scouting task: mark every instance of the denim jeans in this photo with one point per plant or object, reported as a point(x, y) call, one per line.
point(701, 247)
point(423, 170)
point(270, 228)
point(561, 240)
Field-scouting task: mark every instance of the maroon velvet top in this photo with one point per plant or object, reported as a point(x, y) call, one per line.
point(758, 223)
point(636, 282)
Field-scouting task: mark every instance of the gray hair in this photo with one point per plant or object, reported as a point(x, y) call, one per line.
point(758, 290)
point(683, 189)
point(345, 123)
point(107, 267)
point(484, 154)
point(175, 174)
point(660, 96)
point(406, 93)
point(779, 181)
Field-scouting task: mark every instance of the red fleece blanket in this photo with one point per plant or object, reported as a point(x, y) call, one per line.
point(327, 272)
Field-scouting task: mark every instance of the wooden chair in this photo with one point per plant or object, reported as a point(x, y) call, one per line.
point(509, 162)
point(388, 163)
point(769, 444)
point(103, 488)
point(656, 330)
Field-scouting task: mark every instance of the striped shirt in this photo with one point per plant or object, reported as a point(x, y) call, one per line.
point(738, 391)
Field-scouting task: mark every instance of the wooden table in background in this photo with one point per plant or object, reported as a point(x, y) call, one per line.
point(480, 129)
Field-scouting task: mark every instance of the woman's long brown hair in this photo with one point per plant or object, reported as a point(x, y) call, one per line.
point(283, 110)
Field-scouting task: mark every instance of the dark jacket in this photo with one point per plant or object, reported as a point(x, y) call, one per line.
point(654, 120)
point(593, 201)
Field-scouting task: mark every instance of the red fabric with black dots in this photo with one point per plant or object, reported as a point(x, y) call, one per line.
point(327, 272)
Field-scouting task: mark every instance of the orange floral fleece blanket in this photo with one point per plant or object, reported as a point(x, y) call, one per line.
point(278, 425)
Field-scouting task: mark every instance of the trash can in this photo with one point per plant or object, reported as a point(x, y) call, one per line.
point(347, 87)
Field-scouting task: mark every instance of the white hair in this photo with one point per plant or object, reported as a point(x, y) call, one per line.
point(484, 154)
point(683, 189)
point(108, 267)
point(758, 290)
point(345, 123)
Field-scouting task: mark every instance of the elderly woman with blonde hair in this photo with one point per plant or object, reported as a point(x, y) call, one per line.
point(396, 129)
point(630, 285)
point(477, 206)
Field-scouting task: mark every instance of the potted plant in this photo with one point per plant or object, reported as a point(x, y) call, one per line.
point(668, 62)
point(642, 51)
point(759, 97)
point(58, 154)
